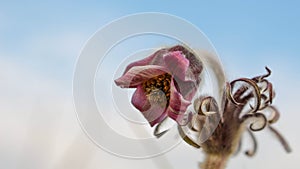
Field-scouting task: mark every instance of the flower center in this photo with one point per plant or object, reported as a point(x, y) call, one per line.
point(158, 89)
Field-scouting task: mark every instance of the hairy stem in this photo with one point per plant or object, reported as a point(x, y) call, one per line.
point(215, 161)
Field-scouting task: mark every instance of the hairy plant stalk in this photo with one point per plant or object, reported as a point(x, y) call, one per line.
point(215, 161)
point(223, 143)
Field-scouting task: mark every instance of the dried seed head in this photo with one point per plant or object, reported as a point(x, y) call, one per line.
point(246, 108)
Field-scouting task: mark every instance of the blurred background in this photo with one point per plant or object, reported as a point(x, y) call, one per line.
point(39, 46)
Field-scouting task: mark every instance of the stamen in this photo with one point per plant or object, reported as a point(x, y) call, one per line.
point(158, 89)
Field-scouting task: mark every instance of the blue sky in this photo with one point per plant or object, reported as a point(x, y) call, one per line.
point(237, 29)
point(40, 42)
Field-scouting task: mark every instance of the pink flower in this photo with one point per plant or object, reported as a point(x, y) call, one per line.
point(165, 83)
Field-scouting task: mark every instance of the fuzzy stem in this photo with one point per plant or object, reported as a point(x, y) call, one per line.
point(214, 161)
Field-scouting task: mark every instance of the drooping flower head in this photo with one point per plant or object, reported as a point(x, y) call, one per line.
point(165, 83)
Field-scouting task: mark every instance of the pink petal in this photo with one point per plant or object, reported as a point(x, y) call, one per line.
point(177, 64)
point(187, 89)
point(154, 59)
point(177, 104)
point(154, 113)
point(139, 99)
point(138, 74)
point(190, 84)
point(195, 67)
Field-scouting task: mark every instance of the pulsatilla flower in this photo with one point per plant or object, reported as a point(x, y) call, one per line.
point(165, 83)
point(218, 130)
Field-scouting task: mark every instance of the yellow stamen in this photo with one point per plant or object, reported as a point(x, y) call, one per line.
point(158, 89)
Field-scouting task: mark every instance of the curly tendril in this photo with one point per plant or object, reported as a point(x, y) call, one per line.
point(256, 92)
point(226, 138)
point(281, 139)
point(258, 121)
point(252, 152)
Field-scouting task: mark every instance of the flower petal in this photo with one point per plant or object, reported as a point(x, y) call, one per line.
point(177, 104)
point(138, 74)
point(154, 59)
point(154, 113)
point(195, 67)
point(177, 64)
point(187, 89)
point(139, 99)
